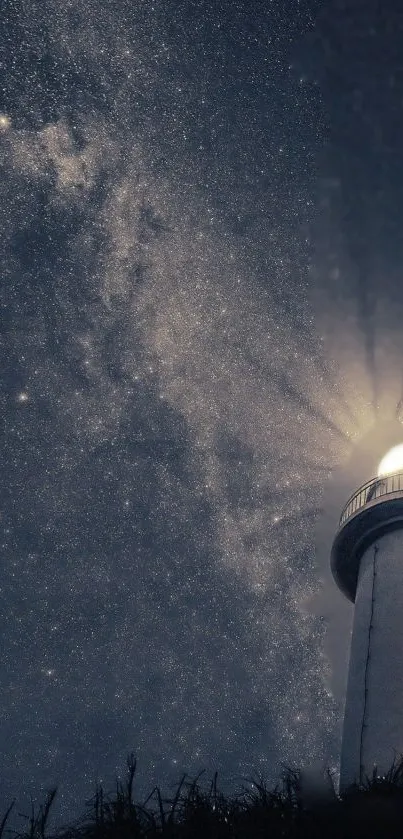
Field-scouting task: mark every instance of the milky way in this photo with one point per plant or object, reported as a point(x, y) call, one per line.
point(180, 374)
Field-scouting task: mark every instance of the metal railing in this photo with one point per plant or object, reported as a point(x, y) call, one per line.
point(373, 489)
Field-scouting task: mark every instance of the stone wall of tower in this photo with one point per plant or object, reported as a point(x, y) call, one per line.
point(373, 721)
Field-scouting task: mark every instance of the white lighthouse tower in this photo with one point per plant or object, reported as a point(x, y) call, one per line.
point(367, 564)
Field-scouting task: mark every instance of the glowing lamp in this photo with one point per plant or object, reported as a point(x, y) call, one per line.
point(392, 462)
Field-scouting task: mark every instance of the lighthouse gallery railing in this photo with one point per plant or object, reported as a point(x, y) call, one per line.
point(373, 489)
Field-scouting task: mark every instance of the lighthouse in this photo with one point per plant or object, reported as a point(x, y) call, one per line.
point(367, 564)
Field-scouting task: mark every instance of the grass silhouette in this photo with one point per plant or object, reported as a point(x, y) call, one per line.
point(297, 807)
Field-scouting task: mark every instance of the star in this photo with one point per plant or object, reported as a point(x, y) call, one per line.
point(5, 122)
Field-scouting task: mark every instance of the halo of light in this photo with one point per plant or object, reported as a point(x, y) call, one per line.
point(392, 461)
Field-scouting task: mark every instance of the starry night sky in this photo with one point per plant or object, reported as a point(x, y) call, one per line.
point(201, 306)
